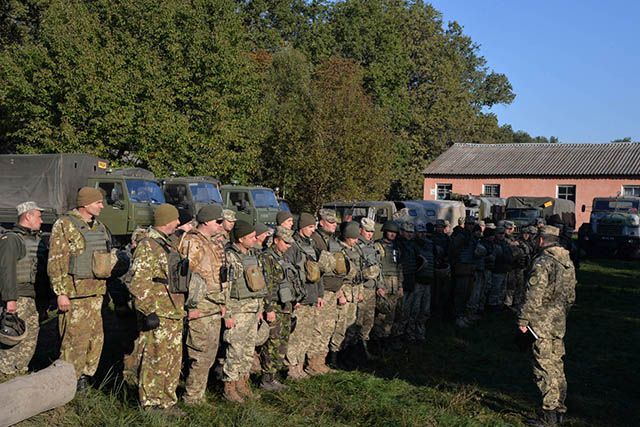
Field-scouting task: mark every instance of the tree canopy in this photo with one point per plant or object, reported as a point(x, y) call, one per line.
point(326, 100)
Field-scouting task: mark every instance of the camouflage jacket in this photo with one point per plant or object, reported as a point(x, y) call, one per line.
point(149, 282)
point(278, 270)
point(206, 257)
point(233, 258)
point(353, 283)
point(66, 240)
point(551, 290)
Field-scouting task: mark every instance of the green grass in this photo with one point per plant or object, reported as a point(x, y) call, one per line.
point(458, 378)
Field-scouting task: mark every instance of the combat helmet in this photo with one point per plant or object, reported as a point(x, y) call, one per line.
point(12, 329)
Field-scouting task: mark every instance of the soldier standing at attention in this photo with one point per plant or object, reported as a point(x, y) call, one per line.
point(244, 310)
point(78, 240)
point(206, 300)
point(227, 225)
point(21, 257)
point(392, 275)
point(551, 291)
point(285, 219)
point(159, 346)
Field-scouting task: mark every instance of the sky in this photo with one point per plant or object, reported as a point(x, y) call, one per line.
point(574, 65)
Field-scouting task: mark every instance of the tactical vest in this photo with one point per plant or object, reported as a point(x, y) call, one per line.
point(427, 262)
point(240, 264)
point(370, 265)
point(390, 258)
point(178, 271)
point(307, 262)
point(287, 280)
point(333, 282)
point(80, 266)
point(27, 266)
point(354, 256)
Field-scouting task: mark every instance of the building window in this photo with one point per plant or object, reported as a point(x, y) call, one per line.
point(491, 190)
point(567, 192)
point(631, 190)
point(443, 191)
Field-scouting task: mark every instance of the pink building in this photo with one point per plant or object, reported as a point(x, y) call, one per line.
point(578, 172)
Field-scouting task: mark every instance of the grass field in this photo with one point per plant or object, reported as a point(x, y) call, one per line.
point(458, 378)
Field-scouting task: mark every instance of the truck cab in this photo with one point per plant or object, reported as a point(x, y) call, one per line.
point(614, 224)
point(190, 193)
point(525, 210)
point(252, 203)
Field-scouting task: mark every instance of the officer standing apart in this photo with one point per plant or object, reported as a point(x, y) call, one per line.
point(550, 294)
point(21, 253)
point(244, 310)
point(79, 245)
point(160, 342)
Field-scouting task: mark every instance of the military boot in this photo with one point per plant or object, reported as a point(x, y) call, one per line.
point(270, 383)
point(296, 372)
point(83, 383)
point(317, 365)
point(231, 393)
point(245, 390)
point(545, 419)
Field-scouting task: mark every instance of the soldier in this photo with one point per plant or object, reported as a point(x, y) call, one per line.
point(206, 300)
point(550, 294)
point(526, 252)
point(373, 283)
point(503, 262)
point(283, 292)
point(442, 292)
point(305, 257)
point(485, 261)
point(244, 311)
point(285, 219)
point(227, 225)
point(325, 241)
point(419, 300)
point(392, 276)
point(78, 271)
point(461, 254)
point(21, 258)
point(262, 236)
point(515, 273)
point(158, 353)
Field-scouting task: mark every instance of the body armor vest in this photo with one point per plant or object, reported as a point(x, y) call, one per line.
point(466, 255)
point(370, 266)
point(426, 263)
point(332, 281)
point(241, 264)
point(27, 266)
point(178, 274)
point(390, 258)
point(287, 280)
point(80, 266)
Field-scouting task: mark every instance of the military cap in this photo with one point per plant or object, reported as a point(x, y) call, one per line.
point(390, 226)
point(420, 227)
point(261, 228)
point(229, 215)
point(28, 206)
point(429, 228)
point(284, 234)
point(367, 224)
point(241, 229)
point(351, 230)
point(209, 213)
point(408, 227)
point(164, 214)
point(530, 229)
point(509, 224)
point(550, 230)
point(499, 229)
point(491, 225)
point(540, 222)
point(488, 232)
point(306, 219)
point(88, 195)
point(282, 216)
point(328, 215)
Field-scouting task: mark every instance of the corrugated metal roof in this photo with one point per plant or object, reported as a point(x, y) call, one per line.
point(612, 159)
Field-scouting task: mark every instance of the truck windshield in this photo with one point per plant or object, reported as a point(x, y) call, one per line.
point(522, 214)
point(616, 206)
point(265, 199)
point(144, 191)
point(205, 192)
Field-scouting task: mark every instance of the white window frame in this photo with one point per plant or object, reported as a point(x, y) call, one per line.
point(438, 190)
point(575, 191)
point(484, 189)
point(635, 190)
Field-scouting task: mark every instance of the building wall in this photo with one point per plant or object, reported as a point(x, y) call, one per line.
point(586, 189)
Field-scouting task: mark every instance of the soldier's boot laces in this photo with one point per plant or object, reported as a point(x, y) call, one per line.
point(296, 372)
point(231, 393)
point(245, 390)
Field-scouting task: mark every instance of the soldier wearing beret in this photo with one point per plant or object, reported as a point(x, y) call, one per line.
point(77, 240)
point(550, 294)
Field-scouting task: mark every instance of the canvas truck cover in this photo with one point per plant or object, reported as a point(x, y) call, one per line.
point(550, 206)
point(51, 180)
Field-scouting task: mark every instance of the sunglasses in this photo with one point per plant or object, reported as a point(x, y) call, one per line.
point(219, 221)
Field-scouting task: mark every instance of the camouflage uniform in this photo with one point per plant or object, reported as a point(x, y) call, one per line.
point(550, 294)
point(81, 326)
point(158, 354)
point(207, 295)
point(418, 302)
point(392, 276)
point(503, 260)
point(372, 269)
point(344, 334)
point(461, 254)
point(244, 308)
point(20, 261)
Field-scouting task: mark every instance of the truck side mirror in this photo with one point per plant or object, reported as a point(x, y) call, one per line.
point(584, 208)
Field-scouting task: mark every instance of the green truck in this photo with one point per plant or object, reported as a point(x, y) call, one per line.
point(53, 180)
point(190, 193)
point(252, 203)
point(614, 227)
point(525, 210)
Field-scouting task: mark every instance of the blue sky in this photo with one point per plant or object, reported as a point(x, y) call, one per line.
point(574, 65)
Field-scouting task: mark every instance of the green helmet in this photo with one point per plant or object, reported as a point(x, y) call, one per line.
point(390, 226)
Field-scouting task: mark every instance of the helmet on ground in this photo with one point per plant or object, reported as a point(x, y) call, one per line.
point(12, 329)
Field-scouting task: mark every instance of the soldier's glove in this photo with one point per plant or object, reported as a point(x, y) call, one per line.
point(151, 322)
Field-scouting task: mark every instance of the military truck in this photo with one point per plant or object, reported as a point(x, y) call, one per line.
point(190, 193)
point(524, 210)
point(53, 180)
point(614, 226)
point(253, 203)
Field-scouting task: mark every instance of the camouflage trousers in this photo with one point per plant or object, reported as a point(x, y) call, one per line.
point(383, 324)
point(520, 290)
point(203, 336)
point(82, 334)
point(325, 324)
point(476, 301)
point(548, 371)
point(417, 310)
point(344, 333)
point(15, 360)
point(510, 281)
point(241, 345)
point(366, 313)
point(159, 354)
point(302, 337)
point(274, 352)
point(497, 291)
point(462, 291)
